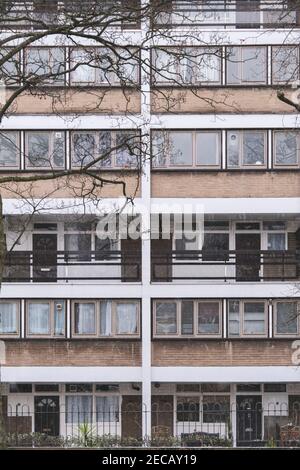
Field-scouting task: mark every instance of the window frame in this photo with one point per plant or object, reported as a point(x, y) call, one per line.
point(179, 334)
point(17, 133)
point(241, 165)
point(113, 80)
point(275, 319)
point(18, 318)
point(273, 54)
point(179, 71)
point(279, 166)
point(113, 155)
point(52, 138)
point(194, 165)
point(240, 61)
point(114, 334)
point(52, 82)
point(242, 333)
point(51, 304)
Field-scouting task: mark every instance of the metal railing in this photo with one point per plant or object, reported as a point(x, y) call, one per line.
point(64, 266)
point(243, 424)
point(225, 265)
point(227, 14)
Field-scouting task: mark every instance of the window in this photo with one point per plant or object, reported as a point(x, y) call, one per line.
point(286, 318)
point(9, 150)
point(215, 388)
point(85, 318)
point(79, 388)
point(187, 388)
point(107, 409)
point(9, 318)
point(208, 318)
point(246, 66)
point(184, 318)
point(216, 408)
point(47, 63)
point(285, 64)
point(107, 387)
point(20, 388)
point(46, 318)
point(249, 388)
point(247, 318)
point(108, 149)
point(119, 318)
point(188, 409)
point(275, 388)
point(176, 149)
point(190, 66)
point(10, 70)
point(45, 150)
point(78, 245)
point(44, 388)
point(286, 148)
point(79, 409)
point(101, 67)
point(276, 241)
point(166, 318)
point(215, 246)
point(246, 149)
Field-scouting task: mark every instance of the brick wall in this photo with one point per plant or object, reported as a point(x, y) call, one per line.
point(73, 353)
point(222, 353)
point(225, 184)
point(219, 100)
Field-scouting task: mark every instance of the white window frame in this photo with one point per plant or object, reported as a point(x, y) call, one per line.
point(18, 149)
point(18, 317)
point(240, 136)
point(241, 81)
point(285, 335)
point(286, 165)
point(241, 314)
point(52, 136)
point(51, 333)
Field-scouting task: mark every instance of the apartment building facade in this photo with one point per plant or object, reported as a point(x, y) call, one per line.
point(182, 336)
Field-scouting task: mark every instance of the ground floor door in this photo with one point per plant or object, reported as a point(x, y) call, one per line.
point(46, 415)
point(44, 257)
point(249, 420)
point(131, 413)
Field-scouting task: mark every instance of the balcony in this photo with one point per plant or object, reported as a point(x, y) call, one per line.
point(226, 265)
point(227, 14)
point(72, 266)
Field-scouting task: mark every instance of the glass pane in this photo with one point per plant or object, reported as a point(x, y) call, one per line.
point(159, 148)
point(166, 318)
point(253, 148)
point(287, 318)
point(79, 409)
point(286, 144)
point(84, 148)
point(45, 61)
point(128, 149)
point(105, 149)
point(58, 152)
point(233, 149)
point(80, 244)
point(126, 318)
point(85, 318)
point(208, 149)
point(180, 148)
point(188, 409)
point(254, 318)
point(234, 318)
point(233, 64)
point(105, 318)
point(9, 149)
point(59, 318)
point(38, 149)
point(8, 318)
point(187, 320)
point(254, 65)
point(285, 64)
point(276, 241)
point(165, 67)
point(205, 66)
point(208, 318)
point(38, 318)
point(215, 246)
point(107, 409)
point(82, 69)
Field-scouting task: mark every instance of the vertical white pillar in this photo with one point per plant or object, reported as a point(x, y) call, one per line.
point(146, 241)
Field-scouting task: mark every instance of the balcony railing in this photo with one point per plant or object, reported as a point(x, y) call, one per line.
point(225, 265)
point(68, 266)
point(41, 15)
point(231, 14)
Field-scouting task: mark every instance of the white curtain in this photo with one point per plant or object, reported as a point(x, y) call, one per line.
point(79, 409)
point(85, 317)
point(107, 409)
point(39, 318)
point(8, 318)
point(105, 318)
point(126, 318)
point(86, 72)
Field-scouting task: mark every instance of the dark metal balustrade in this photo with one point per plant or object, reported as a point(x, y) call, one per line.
point(225, 265)
point(48, 266)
